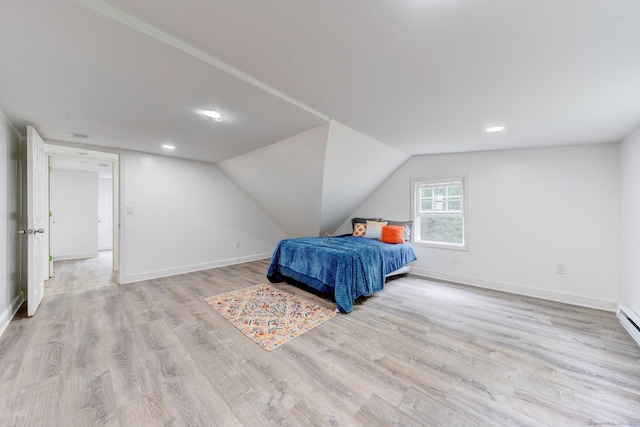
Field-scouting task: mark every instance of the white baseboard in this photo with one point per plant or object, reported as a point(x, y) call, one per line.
point(7, 314)
point(567, 298)
point(79, 255)
point(130, 278)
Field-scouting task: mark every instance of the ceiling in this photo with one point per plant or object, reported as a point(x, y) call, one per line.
point(421, 76)
point(81, 159)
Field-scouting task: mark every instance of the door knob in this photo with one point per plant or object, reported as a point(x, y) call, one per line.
point(22, 231)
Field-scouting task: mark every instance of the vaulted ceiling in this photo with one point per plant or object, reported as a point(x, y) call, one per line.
point(414, 76)
point(422, 76)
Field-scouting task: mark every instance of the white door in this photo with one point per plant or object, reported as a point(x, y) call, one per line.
point(36, 209)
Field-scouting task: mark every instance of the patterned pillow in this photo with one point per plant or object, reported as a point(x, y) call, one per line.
point(355, 221)
point(374, 229)
point(359, 230)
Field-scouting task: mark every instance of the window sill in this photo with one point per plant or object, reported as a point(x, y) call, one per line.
point(463, 248)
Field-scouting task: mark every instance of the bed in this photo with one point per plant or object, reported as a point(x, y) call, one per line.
point(347, 266)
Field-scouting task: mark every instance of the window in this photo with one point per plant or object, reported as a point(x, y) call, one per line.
point(439, 212)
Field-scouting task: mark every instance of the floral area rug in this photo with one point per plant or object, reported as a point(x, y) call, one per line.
point(267, 315)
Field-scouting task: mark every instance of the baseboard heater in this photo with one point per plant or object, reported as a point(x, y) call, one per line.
point(630, 321)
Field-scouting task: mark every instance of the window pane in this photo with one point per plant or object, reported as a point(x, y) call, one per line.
point(426, 205)
point(446, 230)
point(440, 214)
point(454, 190)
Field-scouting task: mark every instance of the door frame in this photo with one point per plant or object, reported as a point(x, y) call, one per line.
point(58, 148)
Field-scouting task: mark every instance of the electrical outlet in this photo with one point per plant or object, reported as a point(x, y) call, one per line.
point(561, 269)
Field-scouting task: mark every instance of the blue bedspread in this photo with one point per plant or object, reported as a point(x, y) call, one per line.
point(347, 266)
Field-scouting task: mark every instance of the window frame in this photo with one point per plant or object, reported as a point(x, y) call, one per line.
point(416, 215)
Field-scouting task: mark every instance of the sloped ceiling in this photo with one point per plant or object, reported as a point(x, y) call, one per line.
point(310, 183)
point(68, 69)
point(419, 77)
point(285, 180)
point(355, 165)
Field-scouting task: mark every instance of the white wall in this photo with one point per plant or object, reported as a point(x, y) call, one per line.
point(527, 211)
point(355, 165)
point(285, 180)
point(74, 203)
point(11, 148)
point(186, 216)
point(630, 222)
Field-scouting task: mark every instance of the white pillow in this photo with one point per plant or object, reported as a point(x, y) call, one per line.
point(374, 229)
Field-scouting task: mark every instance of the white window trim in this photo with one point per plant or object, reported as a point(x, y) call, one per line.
point(465, 212)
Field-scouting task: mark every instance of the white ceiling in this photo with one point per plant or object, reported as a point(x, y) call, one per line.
point(80, 159)
point(422, 76)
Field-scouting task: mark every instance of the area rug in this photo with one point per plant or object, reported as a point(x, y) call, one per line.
point(268, 316)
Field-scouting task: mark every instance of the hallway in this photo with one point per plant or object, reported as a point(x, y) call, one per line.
point(81, 274)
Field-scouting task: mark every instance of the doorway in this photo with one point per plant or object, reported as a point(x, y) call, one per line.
point(81, 274)
point(83, 190)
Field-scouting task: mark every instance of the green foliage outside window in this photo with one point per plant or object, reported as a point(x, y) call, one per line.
point(446, 230)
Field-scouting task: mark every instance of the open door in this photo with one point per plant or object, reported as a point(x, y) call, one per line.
point(36, 220)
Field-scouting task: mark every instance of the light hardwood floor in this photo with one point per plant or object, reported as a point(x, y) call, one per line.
point(154, 353)
point(74, 275)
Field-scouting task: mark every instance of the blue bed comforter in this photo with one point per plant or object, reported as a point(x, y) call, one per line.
point(347, 266)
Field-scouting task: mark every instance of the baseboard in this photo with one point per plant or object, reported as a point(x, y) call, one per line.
point(567, 298)
point(630, 320)
point(79, 255)
point(7, 314)
point(131, 278)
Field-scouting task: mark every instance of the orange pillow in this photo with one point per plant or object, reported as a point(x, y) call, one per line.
point(393, 234)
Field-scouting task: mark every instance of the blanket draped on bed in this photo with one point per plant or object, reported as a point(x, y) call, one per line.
point(347, 266)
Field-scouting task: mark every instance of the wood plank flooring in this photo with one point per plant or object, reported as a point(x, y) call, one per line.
point(419, 353)
point(74, 275)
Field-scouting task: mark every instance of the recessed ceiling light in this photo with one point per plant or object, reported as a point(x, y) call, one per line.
point(168, 146)
point(212, 115)
point(495, 129)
